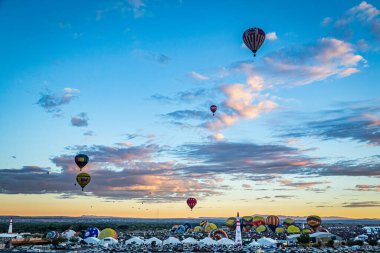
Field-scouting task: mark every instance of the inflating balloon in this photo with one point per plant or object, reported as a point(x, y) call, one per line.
point(280, 230)
point(272, 222)
point(288, 222)
point(83, 179)
point(261, 228)
point(52, 235)
point(292, 229)
point(180, 229)
point(218, 234)
point(314, 221)
point(247, 223)
point(306, 231)
point(253, 38)
point(198, 229)
point(231, 223)
point(91, 232)
point(107, 232)
point(191, 202)
point(209, 227)
point(187, 226)
point(203, 224)
point(213, 109)
point(81, 160)
point(258, 221)
point(174, 228)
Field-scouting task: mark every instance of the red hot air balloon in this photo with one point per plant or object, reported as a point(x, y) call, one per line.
point(191, 202)
point(213, 109)
point(253, 38)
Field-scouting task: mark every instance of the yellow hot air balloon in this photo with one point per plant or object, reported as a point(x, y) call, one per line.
point(280, 230)
point(292, 229)
point(231, 223)
point(209, 227)
point(83, 179)
point(198, 229)
point(107, 232)
point(261, 228)
point(306, 231)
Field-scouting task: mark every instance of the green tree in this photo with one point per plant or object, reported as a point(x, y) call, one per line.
point(330, 243)
point(303, 239)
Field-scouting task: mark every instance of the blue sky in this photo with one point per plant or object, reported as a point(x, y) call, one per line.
point(130, 83)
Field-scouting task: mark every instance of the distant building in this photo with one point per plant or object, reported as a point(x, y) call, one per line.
point(372, 230)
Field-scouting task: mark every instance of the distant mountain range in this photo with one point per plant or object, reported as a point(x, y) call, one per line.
point(93, 218)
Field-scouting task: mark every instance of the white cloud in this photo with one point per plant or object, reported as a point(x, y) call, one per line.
point(198, 76)
point(326, 21)
point(271, 36)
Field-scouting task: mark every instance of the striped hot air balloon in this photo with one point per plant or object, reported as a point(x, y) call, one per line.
point(272, 222)
point(253, 38)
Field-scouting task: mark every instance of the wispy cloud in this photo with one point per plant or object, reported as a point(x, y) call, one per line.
point(153, 56)
point(366, 188)
point(53, 102)
point(188, 96)
point(197, 76)
point(361, 204)
point(80, 120)
point(271, 36)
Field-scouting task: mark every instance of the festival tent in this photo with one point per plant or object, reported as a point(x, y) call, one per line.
point(171, 240)
point(254, 244)
point(207, 241)
point(134, 240)
point(190, 240)
point(264, 241)
point(92, 240)
point(68, 234)
point(153, 239)
point(109, 241)
point(225, 241)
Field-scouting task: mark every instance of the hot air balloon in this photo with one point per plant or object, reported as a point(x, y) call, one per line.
point(52, 235)
point(292, 229)
point(261, 228)
point(83, 179)
point(198, 229)
point(91, 232)
point(280, 230)
point(203, 224)
point(174, 228)
point(272, 222)
point(180, 229)
point(253, 38)
point(209, 227)
point(247, 223)
point(231, 223)
point(213, 109)
point(191, 202)
point(288, 222)
point(81, 160)
point(218, 234)
point(314, 221)
point(306, 231)
point(107, 232)
point(258, 221)
point(187, 226)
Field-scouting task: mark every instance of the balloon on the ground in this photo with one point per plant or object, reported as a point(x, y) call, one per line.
point(261, 228)
point(83, 179)
point(272, 222)
point(107, 232)
point(197, 229)
point(258, 221)
point(174, 228)
point(306, 231)
point(81, 160)
point(314, 221)
point(247, 223)
point(288, 222)
point(203, 224)
point(213, 109)
point(219, 234)
point(91, 232)
point(253, 38)
point(209, 227)
point(52, 235)
point(187, 226)
point(191, 202)
point(181, 229)
point(293, 229)
point(280, 230)
point(231, 223)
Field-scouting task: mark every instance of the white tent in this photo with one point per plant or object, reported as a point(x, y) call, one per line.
point(207, 241)
point(92, 240)
point(254, 244)
point(135, 240)
point(225, 241)
point(171, 240)
point(266, 241)
point(68, 234)
point(190, 240)
point(153, 239)
point(109, 241)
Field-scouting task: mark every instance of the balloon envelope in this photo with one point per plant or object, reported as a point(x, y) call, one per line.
point(253, 38)
point(209, 227)
point(287, 222)
point(181, 229)
point(218, 234)
point(198, 229)
point(81, 160)
point(258, 221)
point(83, 179)
point(231, 223)
point(52, 235)
point(91, 232)
point(261, 228)
point(272, 222)
point(107, 232)
point(292, 229)
point(213, 109)
point(247, 223)
point(314, 221)
point(191, 202)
